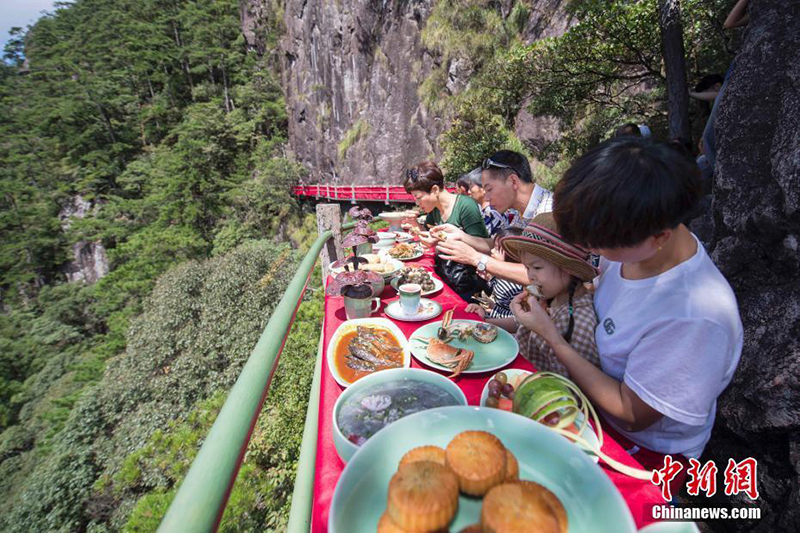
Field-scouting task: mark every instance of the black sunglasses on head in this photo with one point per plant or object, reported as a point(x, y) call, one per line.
point(412, 174)
point(490, 163)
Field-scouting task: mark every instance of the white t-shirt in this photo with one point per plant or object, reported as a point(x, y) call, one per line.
point(675, 340)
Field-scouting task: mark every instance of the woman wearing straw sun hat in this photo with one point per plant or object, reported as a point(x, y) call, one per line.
point(556, 271)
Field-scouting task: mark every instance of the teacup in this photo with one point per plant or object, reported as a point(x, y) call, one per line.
point(360, 307)
point(410, 294)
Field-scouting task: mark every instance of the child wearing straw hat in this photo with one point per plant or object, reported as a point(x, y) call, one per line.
point(557, 271)
point(669, 333)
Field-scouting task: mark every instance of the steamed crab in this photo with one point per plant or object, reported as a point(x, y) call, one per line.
point(441, 353)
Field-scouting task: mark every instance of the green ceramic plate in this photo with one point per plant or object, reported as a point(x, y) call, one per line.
point(593, 503)
point(491, 356)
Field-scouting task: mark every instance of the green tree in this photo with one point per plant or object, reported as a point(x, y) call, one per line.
point(607, 68)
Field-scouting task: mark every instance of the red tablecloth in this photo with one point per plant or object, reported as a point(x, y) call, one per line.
point(639, 495)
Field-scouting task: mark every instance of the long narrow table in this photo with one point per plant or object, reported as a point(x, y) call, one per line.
point(639, 495)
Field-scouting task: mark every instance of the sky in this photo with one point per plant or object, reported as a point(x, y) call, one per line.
point(20, 13)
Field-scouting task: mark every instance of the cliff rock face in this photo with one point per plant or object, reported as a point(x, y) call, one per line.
point(351, 71)
point(351, 74)
point(755, 244)
point(89, 262)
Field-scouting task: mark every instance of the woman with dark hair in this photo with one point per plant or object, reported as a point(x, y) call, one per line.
point(462, 185)
point(425, 182)
point(669, 333)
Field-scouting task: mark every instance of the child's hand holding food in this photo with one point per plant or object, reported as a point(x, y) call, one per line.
point(477, 309)
point(411, 225)
point(531, 313)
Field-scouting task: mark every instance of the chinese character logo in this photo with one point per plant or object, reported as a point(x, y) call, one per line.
point(704, 478)
point(666, 474)
point(741, 477)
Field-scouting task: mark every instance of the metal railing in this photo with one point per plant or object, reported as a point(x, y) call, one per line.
point(203, 493)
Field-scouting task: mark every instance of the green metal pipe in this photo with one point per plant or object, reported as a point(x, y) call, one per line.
point(351, 225)
point(202, 496)
point(303, 494)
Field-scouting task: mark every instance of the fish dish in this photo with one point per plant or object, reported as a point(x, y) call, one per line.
point(366, 350)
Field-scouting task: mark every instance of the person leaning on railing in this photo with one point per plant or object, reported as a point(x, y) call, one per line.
point(425, 183)
point(507, 184)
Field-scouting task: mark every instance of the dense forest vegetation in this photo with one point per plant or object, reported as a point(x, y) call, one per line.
point(157, 115)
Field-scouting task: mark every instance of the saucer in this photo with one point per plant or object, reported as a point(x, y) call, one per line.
point(428, 309)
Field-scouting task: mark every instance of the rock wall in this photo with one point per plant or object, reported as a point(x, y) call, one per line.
point(351, 73)
point(89, 262)
point(756, 212)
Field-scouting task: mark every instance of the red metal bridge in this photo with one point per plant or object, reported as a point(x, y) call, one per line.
point(357, 193)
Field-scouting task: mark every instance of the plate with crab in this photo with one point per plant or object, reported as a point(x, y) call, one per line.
point(455, 347)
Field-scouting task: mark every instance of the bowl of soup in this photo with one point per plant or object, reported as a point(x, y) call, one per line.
point(377, 400)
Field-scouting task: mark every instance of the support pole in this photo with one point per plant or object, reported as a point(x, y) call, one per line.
point(303, 494)
point(329, 218)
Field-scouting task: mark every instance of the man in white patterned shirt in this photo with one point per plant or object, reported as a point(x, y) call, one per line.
point(508, 184)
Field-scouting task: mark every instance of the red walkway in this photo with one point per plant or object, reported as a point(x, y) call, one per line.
point(357, 193)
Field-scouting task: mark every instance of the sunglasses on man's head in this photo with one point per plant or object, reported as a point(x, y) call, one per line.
point(490, 163)
point(412, 174)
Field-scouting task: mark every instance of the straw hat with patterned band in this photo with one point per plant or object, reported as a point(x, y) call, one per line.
point(540, 238)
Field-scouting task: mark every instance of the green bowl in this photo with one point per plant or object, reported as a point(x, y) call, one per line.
point(344, 447)
point(592, 502)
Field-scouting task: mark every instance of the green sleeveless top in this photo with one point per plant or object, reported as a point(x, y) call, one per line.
point(466, 215)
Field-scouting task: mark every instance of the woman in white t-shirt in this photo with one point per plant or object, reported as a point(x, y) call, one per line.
point(669, 333)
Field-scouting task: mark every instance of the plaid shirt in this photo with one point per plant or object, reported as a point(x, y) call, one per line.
point(541, 201)
point(540, 354)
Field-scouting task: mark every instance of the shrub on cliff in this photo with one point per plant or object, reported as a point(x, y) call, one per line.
point(198, 328)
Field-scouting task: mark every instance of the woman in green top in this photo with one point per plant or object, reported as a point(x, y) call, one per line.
point(425, 183)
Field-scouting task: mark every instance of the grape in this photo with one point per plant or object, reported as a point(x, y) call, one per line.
point(494, 388)
point(551, 419)
point(507, 389)
point(491, 401)
point(501, 378)
point(510, 396)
